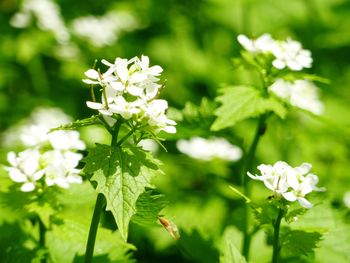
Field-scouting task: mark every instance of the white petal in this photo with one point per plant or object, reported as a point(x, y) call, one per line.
point(155, 70)
point(137, 77)
point(38, 175)
point(89, 81)
point(94, 105)
point(106, 112)
point(290, 196)
point(144, 62)
point(134, 90)
point(305, 203)
point(254, 177)
point(16, 175)
point(74, 179)
point(92, 74)
point(107, 63)
point(246, 42)
point(11, 158)
point(169, 129)
point(278, 64)
point(117, 85)
point(61, 182)
point(27, 187)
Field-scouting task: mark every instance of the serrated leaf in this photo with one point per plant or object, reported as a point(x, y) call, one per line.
point(230, 253)
point(242, 102)
point(297, 242)
point(78, 123)
point(122, 174)
point(148, 207)
point(266, 213)
point(294, 214)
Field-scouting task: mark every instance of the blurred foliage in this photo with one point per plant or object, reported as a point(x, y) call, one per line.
point(194, 41)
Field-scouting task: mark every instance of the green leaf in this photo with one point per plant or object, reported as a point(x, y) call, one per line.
point(298, 242)
point(196, 248)
point(67, 241)
point(122, 174)
point(148, 207)
point(193, 120)
point(243, 102)
point(294, 214)
point(230, 253)
point(79, 123)
point(266, 213)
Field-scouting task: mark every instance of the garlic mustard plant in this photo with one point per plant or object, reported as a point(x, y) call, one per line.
point(282, 86)
point(129, 108)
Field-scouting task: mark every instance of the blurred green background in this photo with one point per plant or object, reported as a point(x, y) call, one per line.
point(44, 53)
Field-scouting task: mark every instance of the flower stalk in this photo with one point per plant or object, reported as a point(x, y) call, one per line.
point(248, 165)
point(89, 252)
point(276, 233)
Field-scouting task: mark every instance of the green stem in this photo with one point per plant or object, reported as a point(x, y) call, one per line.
point(276, 235)
point(42, 231)
point(89, 252)
point(126, 136)
point(248, 166)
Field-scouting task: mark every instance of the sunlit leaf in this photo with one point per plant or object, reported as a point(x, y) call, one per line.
point(122, 174)
point(242, 102)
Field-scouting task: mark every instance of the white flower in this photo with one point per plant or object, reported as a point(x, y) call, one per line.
point(274, 177)
point(291, 54)
point(300, 93)
point(293, 184)
point(47, 15)
point(113, 24)
point(262, 44)
point(51, 157)
point(66, 140)
point(155, 113)
point(60, 168)
point(208, 149)
point(287, 53)
point(25, 168)
point(131, 88)
point(126, 109)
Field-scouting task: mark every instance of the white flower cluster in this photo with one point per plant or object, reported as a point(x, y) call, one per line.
point(51, 158)
point(299, 93)
point(209, 149)
point(130, 88)
point(48, 16)
point(292, 183)
point(287, 54)
point(113, 23)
